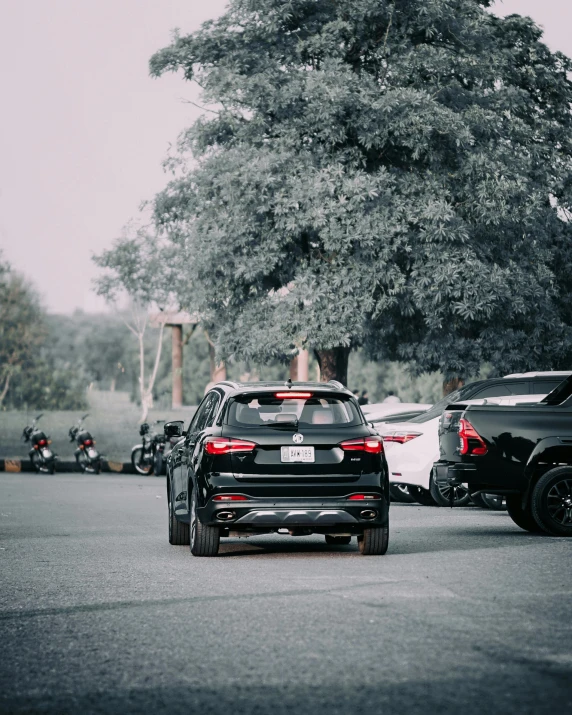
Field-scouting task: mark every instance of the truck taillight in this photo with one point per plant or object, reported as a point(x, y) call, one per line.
point(468, 433)
point(372, 445)
point(227, 445)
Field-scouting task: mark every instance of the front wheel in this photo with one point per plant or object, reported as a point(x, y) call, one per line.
point(496, 502)
point(374, 542)
point(422, 496)
point(400, 493)
point(446, 495)
point(142, 461)
point(178, 531)
point(551, 501)
point(204, 540)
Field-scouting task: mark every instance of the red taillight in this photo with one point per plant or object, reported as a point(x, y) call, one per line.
point(42, 442)
point(226, 445)
point(230, 497)
point(87, 441)
point(291, 395)
point(362, 497)
point(401, 437)
point(372, 445)
point(466, 433)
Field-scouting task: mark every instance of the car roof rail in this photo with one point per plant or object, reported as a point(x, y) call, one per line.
point(337, 384)
point(230, 383)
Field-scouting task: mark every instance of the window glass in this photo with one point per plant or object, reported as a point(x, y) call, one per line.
point(203, 414)
point(544, 387)
point(315, 412)
point(497, 391)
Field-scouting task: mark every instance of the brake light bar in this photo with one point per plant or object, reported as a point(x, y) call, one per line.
point(226, 445)
point(230, 497)
point(291, 395)
point(466, 433)
point(401, 437)
point(363, 497)
point(371, 445)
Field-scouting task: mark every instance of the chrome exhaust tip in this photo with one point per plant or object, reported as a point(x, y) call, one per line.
point(225, 515)
point(368, 514)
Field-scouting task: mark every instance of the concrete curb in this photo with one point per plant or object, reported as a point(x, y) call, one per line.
point(62, 466)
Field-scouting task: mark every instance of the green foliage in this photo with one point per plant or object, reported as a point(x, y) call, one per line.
point(29, 376)
point(393, 174)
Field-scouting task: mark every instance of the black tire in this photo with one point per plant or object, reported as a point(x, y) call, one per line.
point(422, 496)
point(339, 540)
point(551, 501)
point(204, 540)
point(441, 494)
point(42, 467)
point(179, 532)
point(374, 542)
point(400, 493)
point(495, 502)
point(158, 464)
point(522, 516)
point(136, 457)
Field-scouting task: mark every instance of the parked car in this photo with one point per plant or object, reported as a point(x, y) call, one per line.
point(383, 410)
point(522, 452)
point(412, 446)
point(276, 457)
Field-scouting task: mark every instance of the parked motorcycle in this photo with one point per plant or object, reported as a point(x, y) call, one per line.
point(42, 457)
point(147, 457)
point(86, 455)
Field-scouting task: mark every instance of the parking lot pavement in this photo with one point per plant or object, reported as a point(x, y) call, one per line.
point(98, 613)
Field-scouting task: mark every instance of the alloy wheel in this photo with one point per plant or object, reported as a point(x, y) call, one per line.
point(559, 502)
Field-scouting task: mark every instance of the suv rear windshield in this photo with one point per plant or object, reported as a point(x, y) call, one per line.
point(317, 411)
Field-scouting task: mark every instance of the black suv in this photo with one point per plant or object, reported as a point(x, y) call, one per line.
point(264, 457)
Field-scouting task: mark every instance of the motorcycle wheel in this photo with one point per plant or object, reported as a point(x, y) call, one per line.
point(87, 466)
point(42, 467)
point(140, 464)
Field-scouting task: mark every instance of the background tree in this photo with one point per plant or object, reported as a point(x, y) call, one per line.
point(388, 173)
point(139, 267)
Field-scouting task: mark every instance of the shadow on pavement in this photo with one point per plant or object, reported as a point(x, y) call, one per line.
point(522, 691)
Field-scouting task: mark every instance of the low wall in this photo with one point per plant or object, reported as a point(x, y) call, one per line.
point(25, 465)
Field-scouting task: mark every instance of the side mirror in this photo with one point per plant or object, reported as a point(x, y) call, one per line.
point(174, 428)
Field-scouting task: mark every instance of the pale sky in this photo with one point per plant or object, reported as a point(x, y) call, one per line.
point(85, 129)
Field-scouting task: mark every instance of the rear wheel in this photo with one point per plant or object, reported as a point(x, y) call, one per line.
point(422, 496)
point(204, 540)
point(374, 542)
point(142, 463)
point(442, 494)
point(332, 539)
point(522, 516)
point(551, 501)
point(400, 493)
point(178, 531)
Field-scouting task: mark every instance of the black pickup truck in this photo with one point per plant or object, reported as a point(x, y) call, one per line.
point(522, 451)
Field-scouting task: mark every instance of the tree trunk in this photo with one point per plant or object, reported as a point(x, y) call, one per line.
point(5, 388)
point(452, 384)
point(113, 384)
point(333, 364)
point(294, 368)
point(218, 369)
point(303, 365)
point(177, 366)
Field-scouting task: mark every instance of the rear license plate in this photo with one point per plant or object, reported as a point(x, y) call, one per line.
point(297, 454)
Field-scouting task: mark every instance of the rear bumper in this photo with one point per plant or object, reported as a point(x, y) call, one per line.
point(311, 515)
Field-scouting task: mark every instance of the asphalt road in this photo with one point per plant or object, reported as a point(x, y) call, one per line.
point(466, 613)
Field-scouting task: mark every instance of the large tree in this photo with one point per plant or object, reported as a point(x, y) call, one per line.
point(394, 173)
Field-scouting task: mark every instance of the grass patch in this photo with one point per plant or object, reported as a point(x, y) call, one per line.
point(113, 420)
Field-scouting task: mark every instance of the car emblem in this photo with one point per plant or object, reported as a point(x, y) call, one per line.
point(298, 438)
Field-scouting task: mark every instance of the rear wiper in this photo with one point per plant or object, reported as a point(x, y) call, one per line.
point(283, 425)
